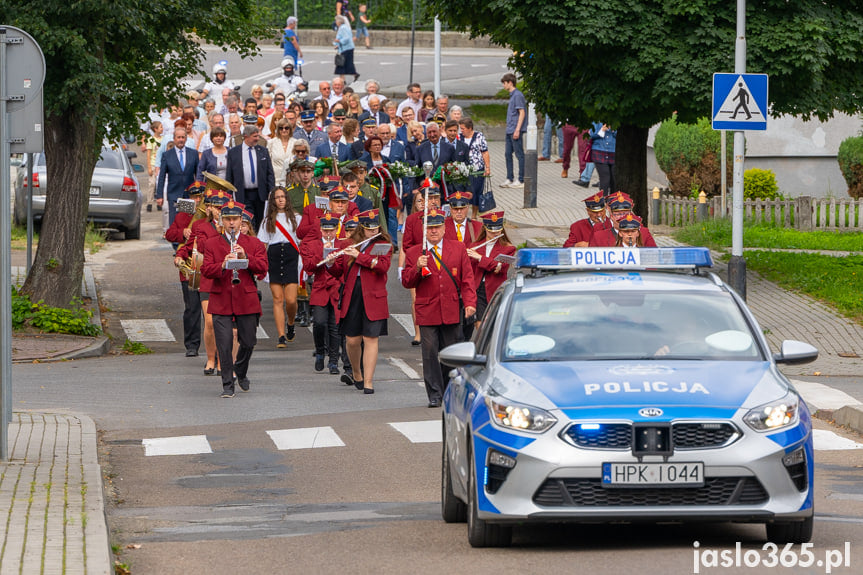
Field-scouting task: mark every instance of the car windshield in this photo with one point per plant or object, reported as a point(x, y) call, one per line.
point(109, 159)
point(563, 326)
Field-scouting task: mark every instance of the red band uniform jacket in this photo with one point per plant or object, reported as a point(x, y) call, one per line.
point(226, 298)
point(374, 280)
point(607, 239)
point(310, 224)
point(487, 266)
point(436, 295)
point(471, 231)
point(582, 230)
point(325, 286)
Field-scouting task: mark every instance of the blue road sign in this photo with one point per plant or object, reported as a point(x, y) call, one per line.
point(739, 101)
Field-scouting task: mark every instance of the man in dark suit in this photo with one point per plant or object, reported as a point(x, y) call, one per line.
point(462, 151)
point(178, 169)
point(250, 170)
point(375, 112)
point(435, 150)
point(325, 150)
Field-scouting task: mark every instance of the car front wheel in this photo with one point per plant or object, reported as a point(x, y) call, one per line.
point(481, 533)
point(453, 509)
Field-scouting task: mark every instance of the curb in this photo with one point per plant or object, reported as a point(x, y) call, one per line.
point(96, 532)
point(850, 416)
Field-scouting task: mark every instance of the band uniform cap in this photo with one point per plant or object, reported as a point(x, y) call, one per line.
point(370, 219)
point(307, 115)
point(619, 201)
point(493, 220)
point(352, 223)
point(248, 216)
point(595, 203)
point(433, 188)
point(217, 197)
point(329, 221)
point(232, 208)
point(196, 188)
point(339, 193)
point(435, 218)
point(369, 122)
point(459, 199)
point(630, 222)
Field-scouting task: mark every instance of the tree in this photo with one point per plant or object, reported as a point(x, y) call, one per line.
point(632, 63)
point(107, 63)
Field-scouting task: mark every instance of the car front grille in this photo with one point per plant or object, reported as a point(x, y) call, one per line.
point(701, 435)
point(590, 493)
point(685, 435)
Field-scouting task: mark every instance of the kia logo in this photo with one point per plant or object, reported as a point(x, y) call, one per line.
point(649, 412)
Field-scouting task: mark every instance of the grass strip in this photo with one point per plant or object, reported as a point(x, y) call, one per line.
point(716, 234)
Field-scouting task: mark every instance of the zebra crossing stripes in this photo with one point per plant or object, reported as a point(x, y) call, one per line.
point(305, 438)
point(183, 445)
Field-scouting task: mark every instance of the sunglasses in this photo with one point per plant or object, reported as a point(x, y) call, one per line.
point(282, 128)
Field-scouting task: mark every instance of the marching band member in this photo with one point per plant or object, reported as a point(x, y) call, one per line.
point(488, 273)
point(458, 226)
point(339, 204)
point(596, 220)
point(620, 205)
point(279, 232)
point(233, 295)
point(363, 309)
point(441, 291)
point(179, 231)
point(324, 298)
point(629, 232)
point(202, 230)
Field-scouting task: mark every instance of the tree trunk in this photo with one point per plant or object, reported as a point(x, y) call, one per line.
point(55, 277)
point(630, 166)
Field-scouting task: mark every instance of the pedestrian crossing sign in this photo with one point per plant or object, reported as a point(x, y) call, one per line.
point(739, 101)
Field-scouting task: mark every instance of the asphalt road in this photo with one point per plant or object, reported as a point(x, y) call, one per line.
point(360, 496)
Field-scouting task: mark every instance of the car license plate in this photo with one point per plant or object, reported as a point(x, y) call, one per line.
point(652, 474)
point(95, 190)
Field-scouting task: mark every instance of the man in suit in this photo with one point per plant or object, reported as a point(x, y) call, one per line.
point(395, 151)
point(375, 112)
point(251, 172)
point(434, 150)
point(333, 147)
point(462, 150)
point(177, 170)
point(439, 293)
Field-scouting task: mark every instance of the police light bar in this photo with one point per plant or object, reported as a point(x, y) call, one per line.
point(613, 258)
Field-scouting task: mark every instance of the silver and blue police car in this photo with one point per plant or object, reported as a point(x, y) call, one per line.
point(614, 384)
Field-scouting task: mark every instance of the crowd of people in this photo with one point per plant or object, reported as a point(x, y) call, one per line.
point(297, 192)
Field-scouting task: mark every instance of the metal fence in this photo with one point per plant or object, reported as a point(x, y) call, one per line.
point(803, 213)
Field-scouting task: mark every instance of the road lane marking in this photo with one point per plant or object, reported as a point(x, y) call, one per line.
point(183, 445)
point(406, 321)
point(406, 369)
point(826, 440)
point(147, 330)
point(420, 431)
point(305, 438)
point(261, 334)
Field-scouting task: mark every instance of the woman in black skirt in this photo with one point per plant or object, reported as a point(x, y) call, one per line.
point(363, 308)
point(279, 232)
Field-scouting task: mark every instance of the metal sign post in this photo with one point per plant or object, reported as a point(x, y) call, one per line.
point(22, 72)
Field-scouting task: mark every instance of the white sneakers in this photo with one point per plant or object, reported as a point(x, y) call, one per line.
point(511, 184)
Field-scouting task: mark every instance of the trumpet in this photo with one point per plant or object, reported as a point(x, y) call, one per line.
point(334, 255)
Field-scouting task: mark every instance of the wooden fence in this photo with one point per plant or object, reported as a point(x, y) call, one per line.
point(804, 213)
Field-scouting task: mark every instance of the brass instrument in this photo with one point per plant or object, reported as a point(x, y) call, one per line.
point(336, 254)
point(236, 264)
point(214, 182)
point(191, 267)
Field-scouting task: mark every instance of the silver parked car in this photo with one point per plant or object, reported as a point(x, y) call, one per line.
point(115, 196)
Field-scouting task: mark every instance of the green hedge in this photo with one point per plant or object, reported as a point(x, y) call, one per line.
point(850, 159)
point(689, 156)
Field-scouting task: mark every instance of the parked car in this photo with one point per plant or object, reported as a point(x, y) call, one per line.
point(115, 196)
point(604, 385)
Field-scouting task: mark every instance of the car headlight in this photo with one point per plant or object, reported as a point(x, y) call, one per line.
point(519, 416)
point(774, 415)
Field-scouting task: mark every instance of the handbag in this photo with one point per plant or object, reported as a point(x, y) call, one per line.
point(486, 198)
point(340, 60)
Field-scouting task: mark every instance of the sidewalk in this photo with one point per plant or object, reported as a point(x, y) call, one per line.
point(51, 489)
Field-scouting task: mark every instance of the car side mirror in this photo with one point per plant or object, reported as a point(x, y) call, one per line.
point(461, 354)
point(795, 353)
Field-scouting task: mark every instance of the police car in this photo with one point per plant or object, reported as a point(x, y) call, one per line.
point(614, 384)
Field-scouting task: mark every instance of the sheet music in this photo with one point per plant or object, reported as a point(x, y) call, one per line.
point(381, 249)
point(322, 202)
point(504, 259)
point(186, 205)
point(236, 264)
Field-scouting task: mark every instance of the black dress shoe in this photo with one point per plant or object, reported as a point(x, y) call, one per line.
point(434, 403)
point(209, 371)
point(359, 384)
point(581, 183)
point(191, 353)
point(245, 383)
point(368, 390)
point(416, 342)
point(348, 380)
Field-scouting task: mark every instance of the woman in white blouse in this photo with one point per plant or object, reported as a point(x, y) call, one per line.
point(281, 148)
point(279, 232)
